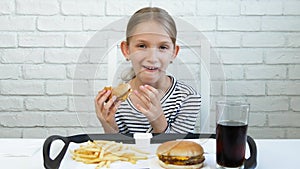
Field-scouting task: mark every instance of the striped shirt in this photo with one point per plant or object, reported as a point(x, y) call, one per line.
point(181, 106)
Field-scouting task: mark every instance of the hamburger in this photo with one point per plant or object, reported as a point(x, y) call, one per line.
point(122, 91)
point(180, 155)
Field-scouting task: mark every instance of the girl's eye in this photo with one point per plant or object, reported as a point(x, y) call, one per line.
point(163, 47)
point(141, 46)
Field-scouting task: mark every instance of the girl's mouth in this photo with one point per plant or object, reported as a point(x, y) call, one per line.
point(151, 68)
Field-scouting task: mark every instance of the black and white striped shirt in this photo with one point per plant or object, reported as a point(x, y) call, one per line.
point(181, 106)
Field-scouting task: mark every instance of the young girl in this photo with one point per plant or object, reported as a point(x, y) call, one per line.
point(159, 103)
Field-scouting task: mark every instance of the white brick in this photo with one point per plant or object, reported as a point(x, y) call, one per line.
point(10, 132)
point(46, 103)
point(34, 133)
point(22, 119)
point(257, 119)
point(96, 55)
point(81, 103)
point(9, 71)
point(41, 40)
point(228, 39)
point(216, 88)
point(282, 56)
point(282, 23)
point(87, 71)
point(294, 72)
point(57, 131)
point(268, 103)
point(69, 87)
point(241, 56)
point(97, 85)
point(89, 130)
point(293, 133)
point(201, 23)
point(11, 104)
point(182, 71)
point(283, 88)
point(293, 40)
point(234, 71)
point(263, 39)
point(83, 7)
point(188, 56)
point(239, 23)
point(21, 87)
point(244, 88)
point(284, 120)
point(22, 56)
point(98, 23)
point(250, 7)
point(186, 7)
point(20, 23)
point(55, 23)
point(265, 72)
point(266, 132)
point(44, 71)
point(59, 119)
point(220, 7)
point(8, 40)
point(295, 103)
point(7, 7)
point(189, 39)
point(84, 40)
point(37, 7)
point(65, 55)
point(291, 7)
point(217, 72)
point(122, 7)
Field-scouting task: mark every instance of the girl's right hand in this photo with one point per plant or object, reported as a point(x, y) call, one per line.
point(106, 111)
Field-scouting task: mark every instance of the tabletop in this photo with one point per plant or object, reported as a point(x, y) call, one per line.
point(27, 154)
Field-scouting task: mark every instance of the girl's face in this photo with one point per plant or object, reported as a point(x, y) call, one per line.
point(150, 50)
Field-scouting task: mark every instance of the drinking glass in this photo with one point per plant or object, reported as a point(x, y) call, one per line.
point(231, 133)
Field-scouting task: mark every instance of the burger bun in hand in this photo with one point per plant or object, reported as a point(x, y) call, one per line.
point(122, 91)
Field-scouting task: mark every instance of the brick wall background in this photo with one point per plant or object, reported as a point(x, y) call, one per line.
point(42, 41)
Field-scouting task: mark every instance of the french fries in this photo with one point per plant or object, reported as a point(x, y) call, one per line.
point(103, 153)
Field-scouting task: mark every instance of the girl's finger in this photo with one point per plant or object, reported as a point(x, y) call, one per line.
point(146, 100)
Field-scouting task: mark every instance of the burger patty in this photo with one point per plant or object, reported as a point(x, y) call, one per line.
point(181, 160)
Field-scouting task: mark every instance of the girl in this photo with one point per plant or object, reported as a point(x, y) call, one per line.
point(159, 103)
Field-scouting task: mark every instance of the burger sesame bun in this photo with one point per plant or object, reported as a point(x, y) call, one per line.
point(180, 155)
point(180, 148)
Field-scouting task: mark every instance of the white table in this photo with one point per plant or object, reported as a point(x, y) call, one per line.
point(272, 154)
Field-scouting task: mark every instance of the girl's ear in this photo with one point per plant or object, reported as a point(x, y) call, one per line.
point(125, 49)
point(176, 50)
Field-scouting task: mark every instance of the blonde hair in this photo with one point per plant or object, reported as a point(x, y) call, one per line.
point(152, 14)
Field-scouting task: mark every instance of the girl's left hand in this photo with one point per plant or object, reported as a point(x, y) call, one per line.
point(151, 107)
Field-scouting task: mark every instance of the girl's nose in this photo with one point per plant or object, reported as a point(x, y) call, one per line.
point(152, 54)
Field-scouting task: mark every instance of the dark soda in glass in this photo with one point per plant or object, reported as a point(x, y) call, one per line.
point(231, 143)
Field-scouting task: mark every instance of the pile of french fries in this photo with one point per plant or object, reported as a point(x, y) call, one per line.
point(103, 153)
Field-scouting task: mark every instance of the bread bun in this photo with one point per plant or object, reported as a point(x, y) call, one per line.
point(180, 155)
point(122, 91)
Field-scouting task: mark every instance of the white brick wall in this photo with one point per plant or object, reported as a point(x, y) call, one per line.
point(51, 63)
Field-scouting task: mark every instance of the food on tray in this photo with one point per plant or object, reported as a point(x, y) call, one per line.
point(122, 91)
point(180, 155)
point(103, 153)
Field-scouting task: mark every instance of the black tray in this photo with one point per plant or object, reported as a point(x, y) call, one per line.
point(128, 139)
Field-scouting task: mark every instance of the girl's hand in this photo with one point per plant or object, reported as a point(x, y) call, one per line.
point(151, 107)
point(106, 111)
